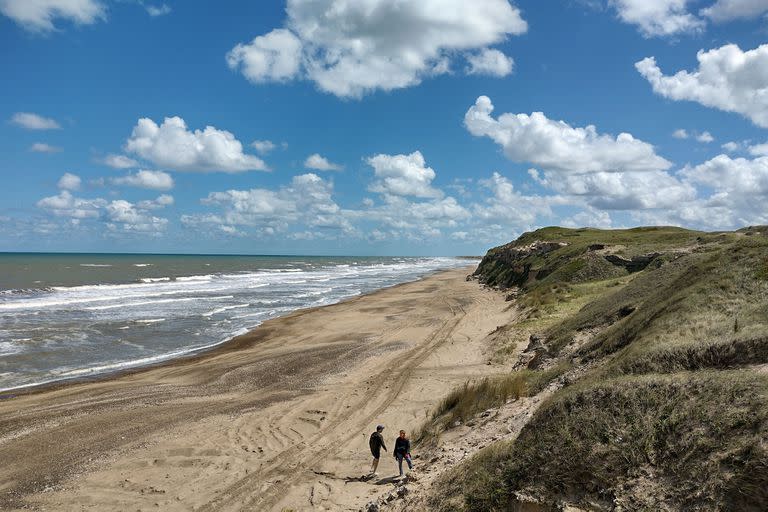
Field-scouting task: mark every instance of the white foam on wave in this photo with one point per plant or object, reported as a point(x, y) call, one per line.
point(158, 301)
point(142, 264)
point(206, 277)
point(8, 347)
point(78, 298)
point(224, 308)
point(313, 293)
point(150, 320)
point(154, 279)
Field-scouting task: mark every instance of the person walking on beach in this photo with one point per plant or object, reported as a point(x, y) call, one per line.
point(376, 443)
point(403, 451)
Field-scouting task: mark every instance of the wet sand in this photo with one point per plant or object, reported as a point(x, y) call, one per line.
point(278, 418)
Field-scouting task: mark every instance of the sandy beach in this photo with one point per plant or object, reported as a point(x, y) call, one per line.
point(276, 419)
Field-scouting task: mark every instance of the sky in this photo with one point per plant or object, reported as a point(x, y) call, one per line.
point(375, 127)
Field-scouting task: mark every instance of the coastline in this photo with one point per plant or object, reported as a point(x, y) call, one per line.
point(251, 422)
point(190, 355)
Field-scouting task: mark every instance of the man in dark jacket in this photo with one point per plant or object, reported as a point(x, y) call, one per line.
point(376, 443)
point(403, 451)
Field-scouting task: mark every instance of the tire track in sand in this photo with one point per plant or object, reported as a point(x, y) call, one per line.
point(390, 382)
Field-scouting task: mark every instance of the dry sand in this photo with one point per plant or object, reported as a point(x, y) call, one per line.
point(277, 419)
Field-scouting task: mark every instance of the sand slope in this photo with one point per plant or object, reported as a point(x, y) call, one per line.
point(277, 419)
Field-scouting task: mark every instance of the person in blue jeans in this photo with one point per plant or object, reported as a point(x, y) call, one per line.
point(403, 451)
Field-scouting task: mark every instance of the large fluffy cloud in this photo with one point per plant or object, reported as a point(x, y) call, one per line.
point(39, 15)
point(351, 48)
point(732, 193)
point(557, 146)
point(623, 190)
point(172, 146)
point(403, 175)
point(582, 166)
point(739, 179)
point(728, 79)
point(658, 17)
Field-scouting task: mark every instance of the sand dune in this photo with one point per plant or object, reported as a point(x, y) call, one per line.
point(279, 418)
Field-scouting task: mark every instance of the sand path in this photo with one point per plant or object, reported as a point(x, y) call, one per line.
point(278, 419)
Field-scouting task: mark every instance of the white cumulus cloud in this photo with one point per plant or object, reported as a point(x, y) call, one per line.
point(658, 17)
point(320, 163)
point(557, 146)
point(728, 79)
point(307, 202)
point(152, 180)
point(705, 137)
point(69, 181)
point(738, 178)
point(171, 145)
point(403, 175)
point(66, 205)
point(353, 48)
point(490, 62)
point(274, 57)
point(680, 133)
point(125, 217)
point(728, 10)
point(32, 121)
point(120, 162)
point(39, 15)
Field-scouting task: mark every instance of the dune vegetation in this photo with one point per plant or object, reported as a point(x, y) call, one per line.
point(655, 342)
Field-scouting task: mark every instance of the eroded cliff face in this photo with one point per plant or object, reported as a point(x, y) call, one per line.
point(511, 264)
point(563, 255)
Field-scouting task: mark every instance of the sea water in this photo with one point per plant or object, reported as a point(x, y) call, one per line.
point(65, 316)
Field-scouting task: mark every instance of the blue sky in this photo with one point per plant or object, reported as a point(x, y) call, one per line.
point(375, 127)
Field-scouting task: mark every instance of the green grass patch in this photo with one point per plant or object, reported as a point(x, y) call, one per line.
point(465, 402)
point(690, 440)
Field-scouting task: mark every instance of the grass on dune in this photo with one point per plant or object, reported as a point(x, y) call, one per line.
point(693, 441)
point(465, 402)
point(672, 415)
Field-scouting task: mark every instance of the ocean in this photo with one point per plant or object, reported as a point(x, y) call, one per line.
point(65, 316)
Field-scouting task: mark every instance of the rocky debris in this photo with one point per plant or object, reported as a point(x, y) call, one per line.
point(399, 493)
point(635, 264)
point(534, 354)
point(596, 247)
